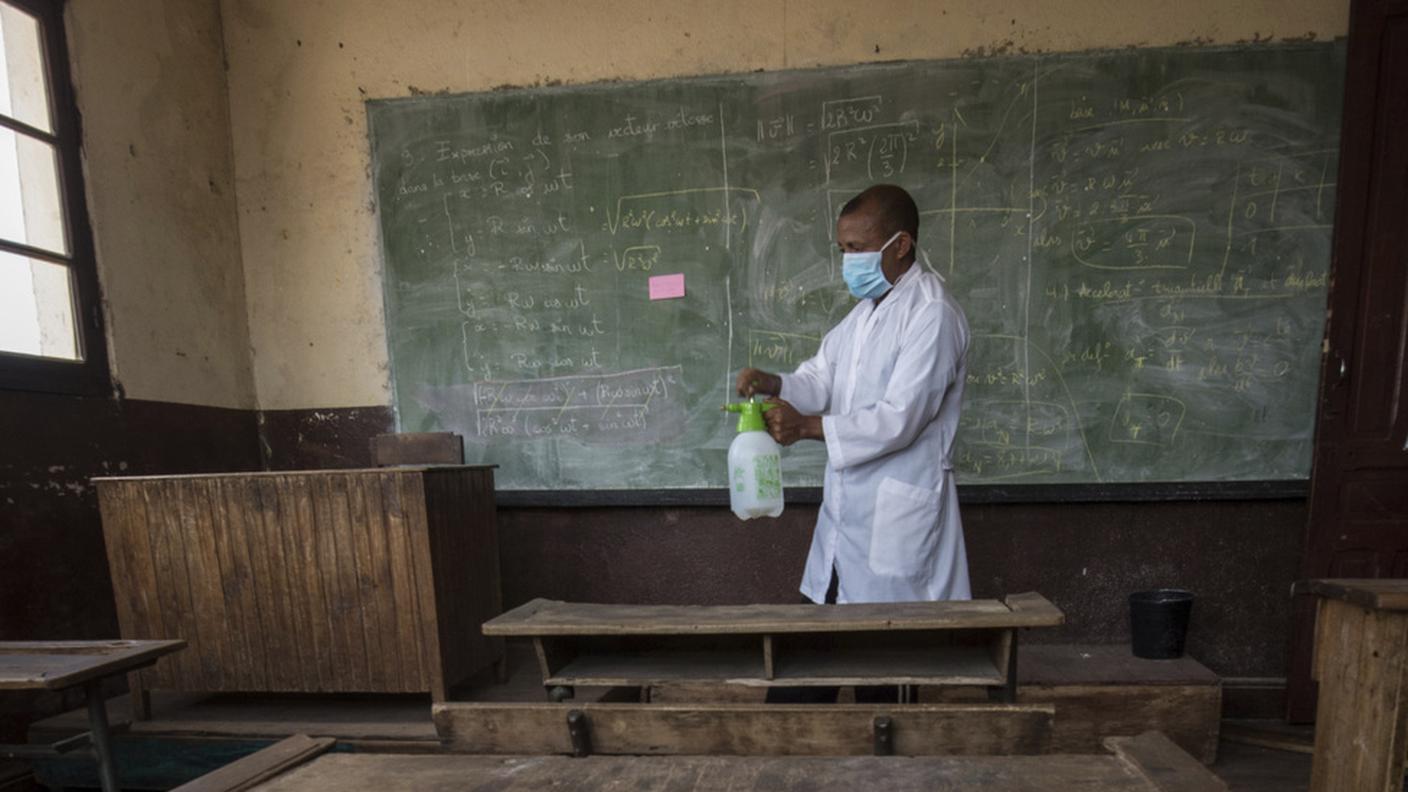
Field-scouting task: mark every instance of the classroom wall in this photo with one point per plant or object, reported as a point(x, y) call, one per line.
point(150, 82)
point(300, 72)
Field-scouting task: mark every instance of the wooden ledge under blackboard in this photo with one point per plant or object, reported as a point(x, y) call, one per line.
point(967, 494)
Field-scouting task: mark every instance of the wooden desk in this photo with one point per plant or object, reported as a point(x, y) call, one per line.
point(324, 581)
point(56, 665)
point(1148, 763)
point(971, 642)
point(1361, 663)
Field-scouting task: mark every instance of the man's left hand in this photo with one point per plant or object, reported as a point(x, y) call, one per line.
point(787, 426)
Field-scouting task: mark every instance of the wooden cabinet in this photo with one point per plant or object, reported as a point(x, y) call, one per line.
point(320, 581)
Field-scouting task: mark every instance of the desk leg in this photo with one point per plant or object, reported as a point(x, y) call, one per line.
point(102, 738)
point(1007, 692)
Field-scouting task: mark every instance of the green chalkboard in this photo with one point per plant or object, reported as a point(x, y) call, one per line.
point(1140, 240)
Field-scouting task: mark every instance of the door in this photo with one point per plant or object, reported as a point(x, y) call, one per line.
point(1359, 488)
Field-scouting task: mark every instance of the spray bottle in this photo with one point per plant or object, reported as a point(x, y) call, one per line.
point(754, 464)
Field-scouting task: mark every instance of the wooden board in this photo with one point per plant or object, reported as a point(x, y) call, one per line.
point(51, 665)
point(1361, 731)
point(777, 729)
point(278, 473)
point(1167, 768)
point(452, 773)
point(417, 448)
point(541, 617)
point(1375, 593)
point(260, 766)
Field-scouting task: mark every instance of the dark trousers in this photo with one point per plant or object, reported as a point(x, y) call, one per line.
point(865, 694)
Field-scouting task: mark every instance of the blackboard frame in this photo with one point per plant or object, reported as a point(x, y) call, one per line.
point(975, 494)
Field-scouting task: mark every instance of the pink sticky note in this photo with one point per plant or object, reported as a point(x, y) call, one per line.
point(667, 287)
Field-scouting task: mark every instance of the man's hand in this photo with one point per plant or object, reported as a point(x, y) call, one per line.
point(751, 381)
point(787, 426)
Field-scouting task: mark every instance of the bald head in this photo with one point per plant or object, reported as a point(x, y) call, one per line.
point(889, 206)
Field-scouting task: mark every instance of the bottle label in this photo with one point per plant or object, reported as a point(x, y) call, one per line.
point(740, 479)
point(768, 468)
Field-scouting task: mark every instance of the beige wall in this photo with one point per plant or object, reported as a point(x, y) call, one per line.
point(300, 71)
point(150, 82)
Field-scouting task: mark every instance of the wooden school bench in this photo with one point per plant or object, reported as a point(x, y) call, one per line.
point(57, 665)
point(971, 642)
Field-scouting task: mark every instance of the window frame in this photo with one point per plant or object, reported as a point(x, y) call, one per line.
point(89, 375)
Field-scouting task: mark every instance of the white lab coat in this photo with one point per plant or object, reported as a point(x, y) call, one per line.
point(889, 382)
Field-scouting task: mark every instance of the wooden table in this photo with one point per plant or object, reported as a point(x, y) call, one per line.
point(1361, 663)
point(969, 642)
point(56, 665)
point(1148, 763)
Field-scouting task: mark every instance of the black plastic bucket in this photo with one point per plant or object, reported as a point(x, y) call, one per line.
point(1158, 622)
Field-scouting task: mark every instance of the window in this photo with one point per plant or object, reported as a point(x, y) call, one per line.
point(50, 330)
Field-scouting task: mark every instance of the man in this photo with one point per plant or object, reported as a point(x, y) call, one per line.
point(883, 393)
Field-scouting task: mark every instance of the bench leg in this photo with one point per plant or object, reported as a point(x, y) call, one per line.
point(140, 697)
point(1007, 692)
point(102, 737)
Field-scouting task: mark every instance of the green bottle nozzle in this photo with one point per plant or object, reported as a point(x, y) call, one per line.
point(750, 415)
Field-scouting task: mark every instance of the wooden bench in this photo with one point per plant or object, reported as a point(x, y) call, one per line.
point(971, 642)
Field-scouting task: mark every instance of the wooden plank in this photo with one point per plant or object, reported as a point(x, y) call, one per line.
point(224, 662)
point(1034, 606)
point(350, 772)
point(654, 668)
point(240, 585)
point(335, 528)
point(173, 588)
point(380, 601)
point(363, 581)
point(463, 538)
point(742, 730)
point(410, 619)
point(889, 665)
point(290, 642)
point(411, 495)
point(417, 448)
point(53, 665)
point(297, 473)
point(260, 766)
point(1189, 716)
point(1361, 734)
point(551, 617)
point(1388, 594)
point(315, 523)
point(1163, 765)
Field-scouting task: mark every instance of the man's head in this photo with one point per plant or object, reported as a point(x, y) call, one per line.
point(868, 220)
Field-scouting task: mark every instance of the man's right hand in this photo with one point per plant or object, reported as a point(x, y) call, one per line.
point(755, 381)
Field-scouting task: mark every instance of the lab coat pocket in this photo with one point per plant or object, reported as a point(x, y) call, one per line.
point(905, 532)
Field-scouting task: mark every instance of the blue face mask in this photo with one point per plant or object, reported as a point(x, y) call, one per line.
point(863, 274)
